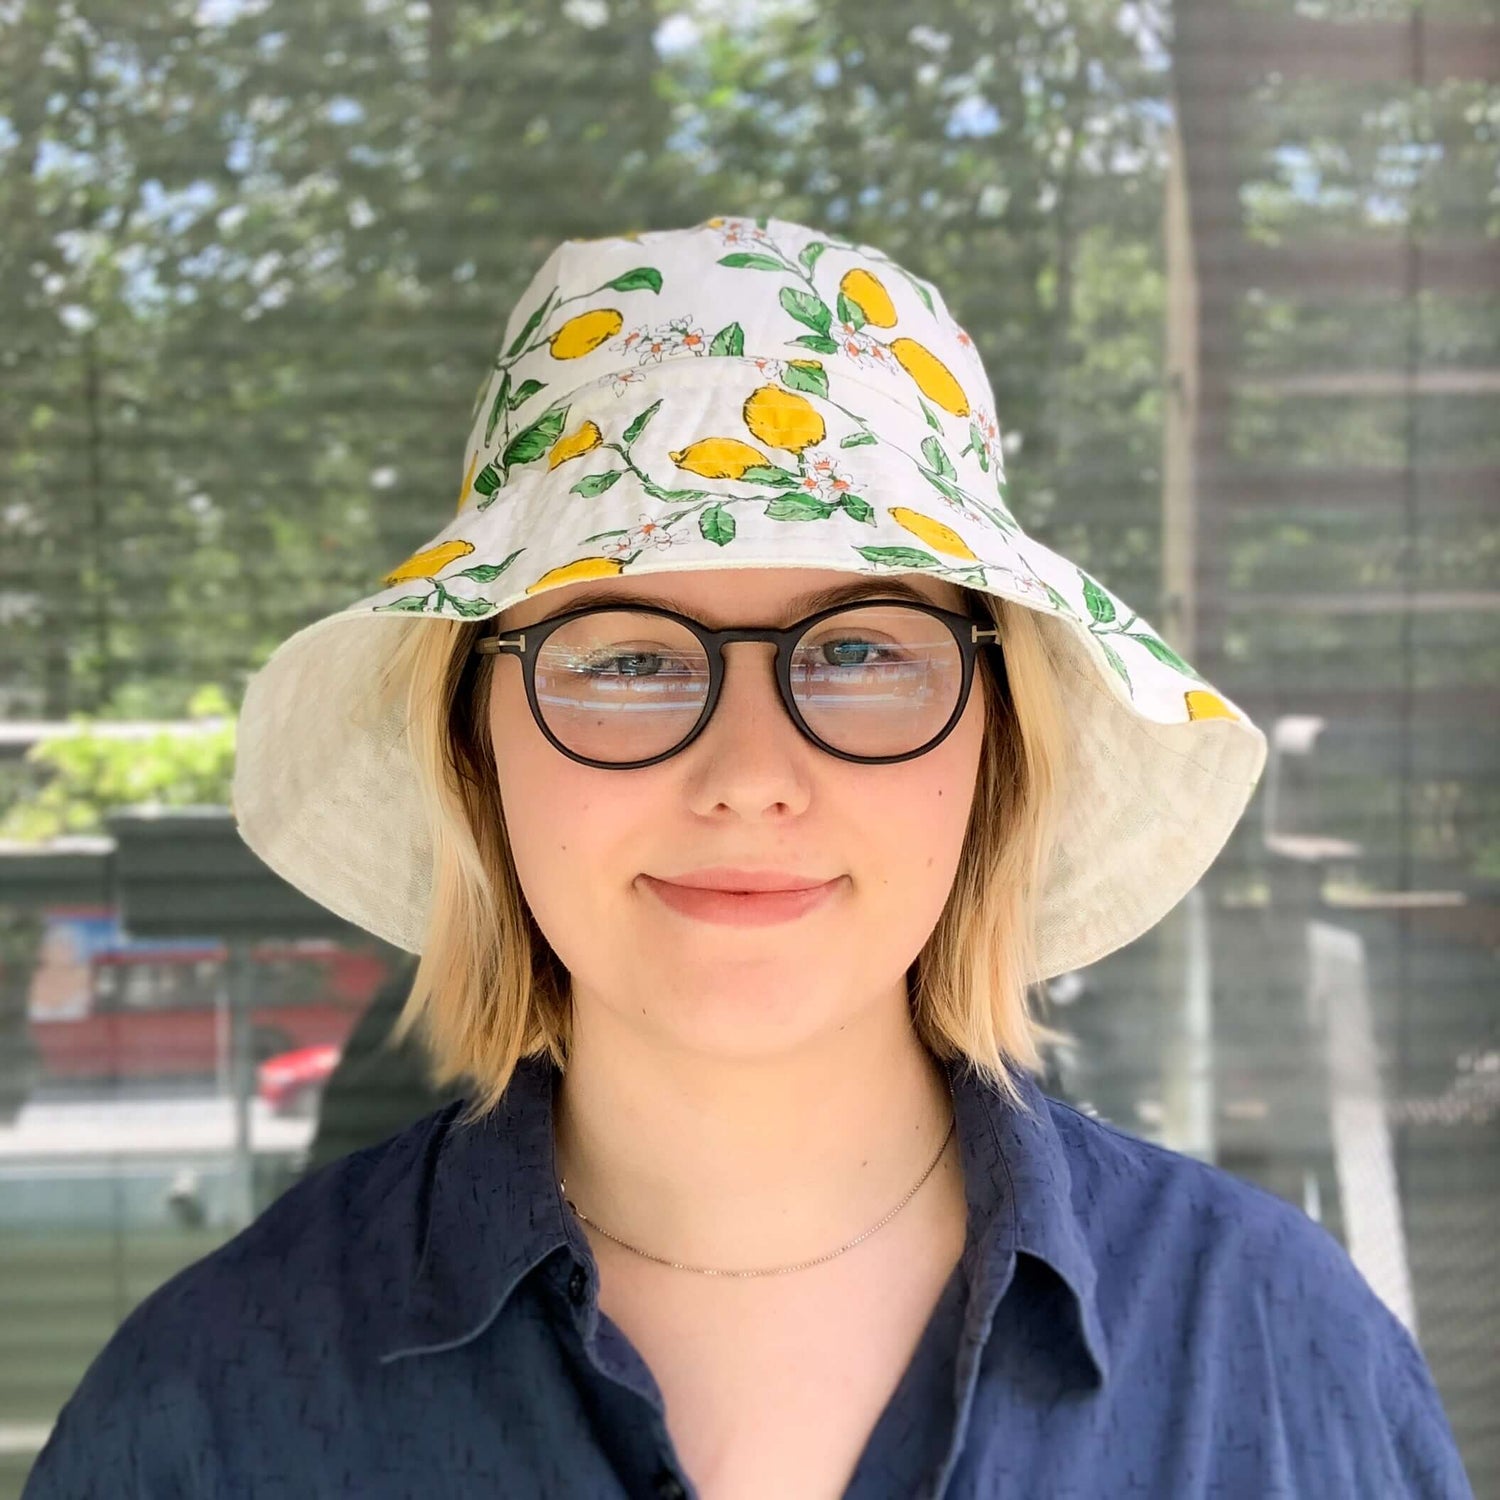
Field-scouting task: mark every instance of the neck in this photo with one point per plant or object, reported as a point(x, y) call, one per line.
point(741, 1162)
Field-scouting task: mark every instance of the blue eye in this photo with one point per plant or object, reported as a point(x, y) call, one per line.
point(635, 664)
point(854, 653)
point(617, 662)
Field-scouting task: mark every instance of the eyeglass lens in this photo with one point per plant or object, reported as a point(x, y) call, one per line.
point(623, 685)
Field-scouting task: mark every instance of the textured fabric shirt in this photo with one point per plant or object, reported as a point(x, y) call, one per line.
point(420, 1318)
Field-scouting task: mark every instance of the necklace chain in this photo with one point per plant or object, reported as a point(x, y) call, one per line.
point(801, 1265)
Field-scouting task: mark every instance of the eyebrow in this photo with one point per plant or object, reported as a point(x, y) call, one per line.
point(797, 607)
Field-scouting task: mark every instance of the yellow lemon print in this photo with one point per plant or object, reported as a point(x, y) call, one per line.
point(1201, 704)
point(937, 536)
point(576, 572)
point(783, 418)
point(463, 493)
point(574, 444)
point(718, 457)
point(583, 334)
point(934, 379)
point(872, 299)
point(429, 561)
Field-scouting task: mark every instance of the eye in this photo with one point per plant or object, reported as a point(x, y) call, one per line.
point(624, 664)
point(625, 661)
point(853, 652)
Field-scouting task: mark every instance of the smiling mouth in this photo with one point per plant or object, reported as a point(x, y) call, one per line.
point(742, 882)
point(740, 908)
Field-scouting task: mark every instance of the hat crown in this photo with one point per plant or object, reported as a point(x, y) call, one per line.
point(767, 290)
point(745, 393)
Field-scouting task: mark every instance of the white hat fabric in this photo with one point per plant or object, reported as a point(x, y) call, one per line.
point(740, 393)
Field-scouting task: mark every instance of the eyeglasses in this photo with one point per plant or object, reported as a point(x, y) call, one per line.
point(877, 681)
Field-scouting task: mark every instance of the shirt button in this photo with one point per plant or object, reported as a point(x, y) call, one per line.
point(669, 1486)
point(578, 1286)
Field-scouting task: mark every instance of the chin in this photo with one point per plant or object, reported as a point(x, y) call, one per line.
point(747, 1007)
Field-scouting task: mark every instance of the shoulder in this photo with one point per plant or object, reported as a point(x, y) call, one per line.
point(297, 1283)
point(1259, 1293)
point(1126, 1188)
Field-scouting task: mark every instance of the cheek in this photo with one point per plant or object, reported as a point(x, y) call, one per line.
point(561, 817)
point(916, 816)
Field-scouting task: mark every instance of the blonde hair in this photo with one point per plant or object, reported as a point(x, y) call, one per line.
point(489, 989)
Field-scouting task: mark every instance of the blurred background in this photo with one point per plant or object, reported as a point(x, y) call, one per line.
point(1232, 265)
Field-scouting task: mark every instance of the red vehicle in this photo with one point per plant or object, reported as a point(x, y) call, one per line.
point(105, 1006)
point(292, 1082)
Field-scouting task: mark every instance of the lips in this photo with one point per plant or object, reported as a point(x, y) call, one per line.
point(730, 908)
point(741, 881)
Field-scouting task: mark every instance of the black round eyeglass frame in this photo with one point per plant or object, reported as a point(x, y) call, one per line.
point(970, 634)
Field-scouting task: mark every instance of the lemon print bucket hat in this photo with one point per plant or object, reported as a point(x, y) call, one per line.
point(740, 393)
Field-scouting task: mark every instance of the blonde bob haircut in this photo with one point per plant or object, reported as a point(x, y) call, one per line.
point(489, 989)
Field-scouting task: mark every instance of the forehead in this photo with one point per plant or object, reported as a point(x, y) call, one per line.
point(738, 596)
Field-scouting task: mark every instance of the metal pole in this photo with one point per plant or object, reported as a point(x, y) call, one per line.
point(242, 1075)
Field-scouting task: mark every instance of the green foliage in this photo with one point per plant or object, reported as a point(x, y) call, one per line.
point(88, 772)
point(255, 259)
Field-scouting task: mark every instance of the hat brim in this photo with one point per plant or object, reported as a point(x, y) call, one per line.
point(664, 473)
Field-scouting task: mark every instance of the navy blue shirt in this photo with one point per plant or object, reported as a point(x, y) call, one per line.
point(420, 1318)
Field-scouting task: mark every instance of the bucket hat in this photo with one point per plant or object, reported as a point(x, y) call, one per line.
point(740, 393)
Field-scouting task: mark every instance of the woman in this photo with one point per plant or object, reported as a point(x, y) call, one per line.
point(735, 763)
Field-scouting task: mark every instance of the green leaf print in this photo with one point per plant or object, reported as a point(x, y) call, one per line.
point(1100, 606)
point(533, 441)
point(744, 260)
point(407, 604)
point(858, 440)
point(810, 253)
point(943, 485)
point(596, 484)
point(717, 525)
point(806, 375)
point(799, 508)
point(819, 342)
point(530, 327)
point(634, 281)
point(932, 421)
point(501, 397)
point(976, 444)
point(638, 426)
point(1057, 599)
point(472, 609)
point(487, 480)
point(932, 451)
point(850, 312)
point(489, 572)
point(728, 340)
point(1115, 662)
point(1163, 652)
point(525, 391)
point(857, 508)
point(899, 557)
point(812, 312)
point(783, 479)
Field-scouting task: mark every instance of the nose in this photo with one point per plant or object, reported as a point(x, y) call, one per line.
point(750, 690)
point(751, 757)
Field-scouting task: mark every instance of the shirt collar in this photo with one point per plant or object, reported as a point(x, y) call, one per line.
point(494, 1212)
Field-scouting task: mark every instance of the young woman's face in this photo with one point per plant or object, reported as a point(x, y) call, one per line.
point(750, 793)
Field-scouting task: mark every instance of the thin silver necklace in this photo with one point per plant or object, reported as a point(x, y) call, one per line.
point(802, 1265)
